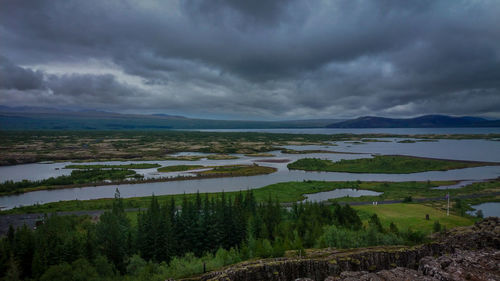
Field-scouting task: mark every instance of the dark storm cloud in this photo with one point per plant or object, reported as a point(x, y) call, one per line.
point(91, 88)
point(75, 91)
point(286, 59)
point(260, 11)
point(18, 78)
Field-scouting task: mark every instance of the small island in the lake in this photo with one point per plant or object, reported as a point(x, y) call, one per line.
point(385, 164)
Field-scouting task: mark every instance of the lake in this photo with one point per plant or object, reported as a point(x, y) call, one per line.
point(479, 150)
point(395, 131)
point(339, 193)
point(489, 209)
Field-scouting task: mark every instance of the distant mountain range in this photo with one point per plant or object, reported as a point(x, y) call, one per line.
point(43, 118)
point(38, 118)
point(426, 121)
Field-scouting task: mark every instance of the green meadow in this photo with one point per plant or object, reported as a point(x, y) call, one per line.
point(412, 216)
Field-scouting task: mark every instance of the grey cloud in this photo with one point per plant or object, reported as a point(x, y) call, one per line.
point(266, 58)
point(259, 11)
point(18, 78)
point(97, 89)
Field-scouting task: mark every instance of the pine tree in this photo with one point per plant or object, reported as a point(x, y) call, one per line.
point(112, 233)
point(13, 272)
point(375, 223)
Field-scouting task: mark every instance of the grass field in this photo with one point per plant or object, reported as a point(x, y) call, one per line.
point(179, 168)
point(411, 216)
point(238, 170)
point(387, 164)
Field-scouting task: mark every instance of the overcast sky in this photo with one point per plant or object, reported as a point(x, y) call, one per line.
point(241, 59)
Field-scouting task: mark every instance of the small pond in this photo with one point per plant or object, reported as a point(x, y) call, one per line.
point(339, 193)
point(460, 184)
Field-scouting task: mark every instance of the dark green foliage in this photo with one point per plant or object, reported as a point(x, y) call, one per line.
point(375, 223)
point(347, 238)
point(347, 217)
point(112, 232)
point(154, 232)
point(171, 242)
point(436, 227)
point(460, 207)
point(393, 228)
point(79, 270)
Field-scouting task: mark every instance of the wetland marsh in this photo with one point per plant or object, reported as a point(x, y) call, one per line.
point(345, 148)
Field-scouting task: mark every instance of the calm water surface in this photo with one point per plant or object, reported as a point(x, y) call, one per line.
point(479, 150)
point(474, 150)
point(395, 131)
point(339, 193)
point(490, 209)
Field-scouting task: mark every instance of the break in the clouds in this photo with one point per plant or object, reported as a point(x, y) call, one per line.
point(280, 59)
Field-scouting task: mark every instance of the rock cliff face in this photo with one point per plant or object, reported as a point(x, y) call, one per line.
point(470, 253)
point(461, 265)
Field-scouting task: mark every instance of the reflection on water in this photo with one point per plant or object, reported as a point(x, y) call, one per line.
point(339, 193)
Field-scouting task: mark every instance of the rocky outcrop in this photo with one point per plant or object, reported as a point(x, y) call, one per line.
point(449, 257)
point(461, 265)
point(399, 273)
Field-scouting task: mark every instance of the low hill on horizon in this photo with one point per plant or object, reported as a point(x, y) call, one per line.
point(425, 121)
point(39, 118)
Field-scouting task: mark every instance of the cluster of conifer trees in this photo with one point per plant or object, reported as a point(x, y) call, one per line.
point(70, 245)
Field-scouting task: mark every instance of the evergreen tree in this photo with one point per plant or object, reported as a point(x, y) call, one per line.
point(112, 233)
point(393, 228)
point(436, 227)
point(375, 223)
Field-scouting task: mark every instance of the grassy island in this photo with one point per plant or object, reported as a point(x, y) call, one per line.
point(75, 179)
point(179, 168)
point(119, 166)
point(386, 164)
point(238, 171)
